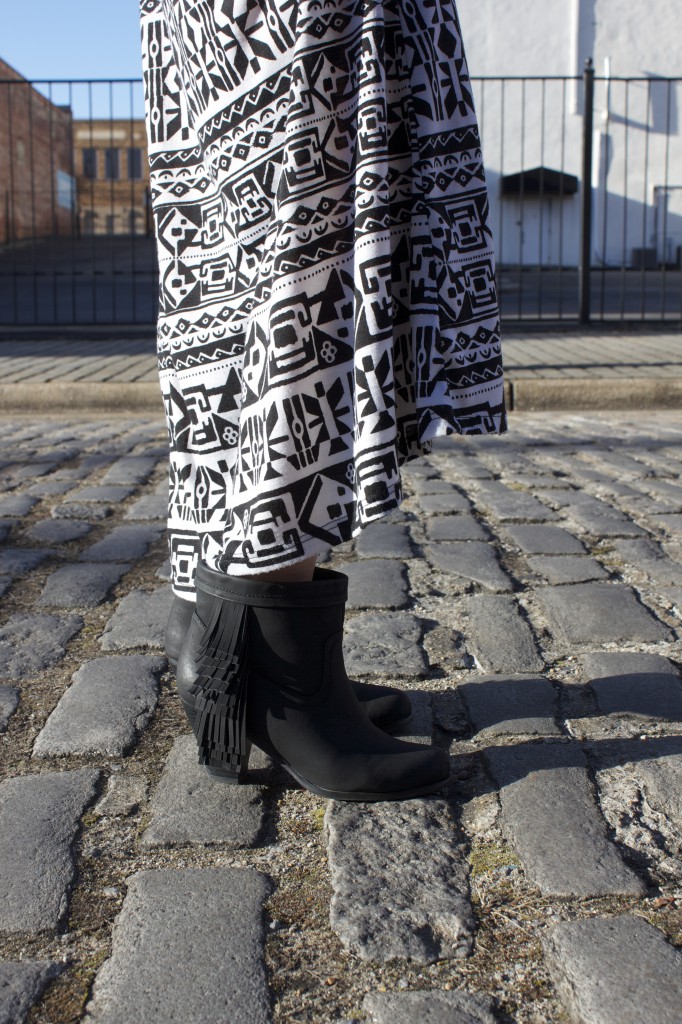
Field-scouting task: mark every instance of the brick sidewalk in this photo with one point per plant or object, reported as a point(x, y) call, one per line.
point(527, 595)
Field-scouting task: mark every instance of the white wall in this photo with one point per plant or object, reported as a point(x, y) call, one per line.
point(524, 126)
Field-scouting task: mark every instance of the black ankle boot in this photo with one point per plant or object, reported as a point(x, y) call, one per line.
point(388, 708)
point(263, 663)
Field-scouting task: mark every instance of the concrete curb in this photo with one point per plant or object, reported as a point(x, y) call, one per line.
point(585, 394)
point(70, 396)
point(539, 394)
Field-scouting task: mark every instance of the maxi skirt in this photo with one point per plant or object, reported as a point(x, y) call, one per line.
point(327, 296)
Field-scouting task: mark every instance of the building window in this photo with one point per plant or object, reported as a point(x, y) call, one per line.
point(90, 163)
point(111, 223)
point(134, 163)
point(112, 170)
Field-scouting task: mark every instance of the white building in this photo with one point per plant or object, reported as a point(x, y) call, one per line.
point(526, 125)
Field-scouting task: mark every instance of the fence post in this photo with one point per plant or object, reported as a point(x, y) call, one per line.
point(586, 208)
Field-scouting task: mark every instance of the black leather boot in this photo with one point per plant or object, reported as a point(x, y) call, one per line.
point(263, 663)
point(387, 707)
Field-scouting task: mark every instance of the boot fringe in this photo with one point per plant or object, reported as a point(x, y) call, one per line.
point(220, 690)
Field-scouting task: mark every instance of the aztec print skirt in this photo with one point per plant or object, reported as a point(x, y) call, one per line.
point(327, 284)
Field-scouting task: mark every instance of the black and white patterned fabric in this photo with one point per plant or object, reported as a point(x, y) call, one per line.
point(327, 283)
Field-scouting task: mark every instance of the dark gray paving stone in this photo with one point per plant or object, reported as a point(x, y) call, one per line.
point(58, 531)
point(427, 1007)
point(656, 765)
point(9, 702)
point(81, 510)
point(461, 527)
point(559, 569)
point(545, 540)
point(615, 970)
point(385, 540)
point(452, 501)
point(139, 620)
point(384, 644)
point(187, 946)
point(17, 504)
point(30, 643)
point(22, 982)
point(131, 469)
point(432, 485)
point(550, 812)
point(498, 636)
point(17, 561)
point(125, 794)
point(123, 544)
point(5, 584)
point(103, 494)
point(81, 586)
point(670, 524)
point(612, 525)
point(50, 488)
point(511, 506)
point(190, 807)
point(389, 900)
point(150, 506)
point(39, 819)
point(164, 571)
point(510, 705)
point(108, 704)
point(472, 560)
point(634, 684)
point(377, 583)
point(598, 613)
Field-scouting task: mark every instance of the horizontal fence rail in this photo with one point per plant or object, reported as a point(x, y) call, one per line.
point(584, 177)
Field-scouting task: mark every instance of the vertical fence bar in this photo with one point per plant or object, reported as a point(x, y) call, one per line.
point(624, 250)
point(541, 225)
point(74, 205)
point(666, 184)
point(54, 206)
point(604, 167)
point(11, 220)
point(522, 196)
point(645, 204)
point(561, 200)
point(586, 211)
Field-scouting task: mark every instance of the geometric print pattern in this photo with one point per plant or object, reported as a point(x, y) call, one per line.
point(327, 300)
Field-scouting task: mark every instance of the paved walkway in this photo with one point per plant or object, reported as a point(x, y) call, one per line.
point(598, 369)
point(528, 595)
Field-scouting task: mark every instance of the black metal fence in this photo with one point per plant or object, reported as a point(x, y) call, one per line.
point(584, 176)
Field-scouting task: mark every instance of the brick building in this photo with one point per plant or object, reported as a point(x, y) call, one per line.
point(37, 188)
point(112, 176)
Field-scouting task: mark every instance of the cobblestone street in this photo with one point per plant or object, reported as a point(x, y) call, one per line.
point(527, 595)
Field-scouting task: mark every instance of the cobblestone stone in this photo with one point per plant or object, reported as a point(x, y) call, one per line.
point(123, 544)
point(642, 685)
point(385, 540)
point(598, 613)
point(187, 946)
point(385, 644)
point(374, 583)
point(389, 900)
point(19, 561)
point(22, 982)
point(58, 531)
point(453, 501)
point(545, 540)
point(107, 705)
point(124, 794)
point(511, 506)
point(428, 1007)
point(150, 506)
point(509, 705)
point(558, 569)
point(549, 810)
point(131, 469)
point(9, 702)
point(81, 510)
point(139, 620)
point(190, 807)
point(460, 527)
point(472, 560)
point(30, 643)
point(497, 635)
point(39, 818)
point(17, 504)
point(110, 494)
point(616, 970)
point(81, 586)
